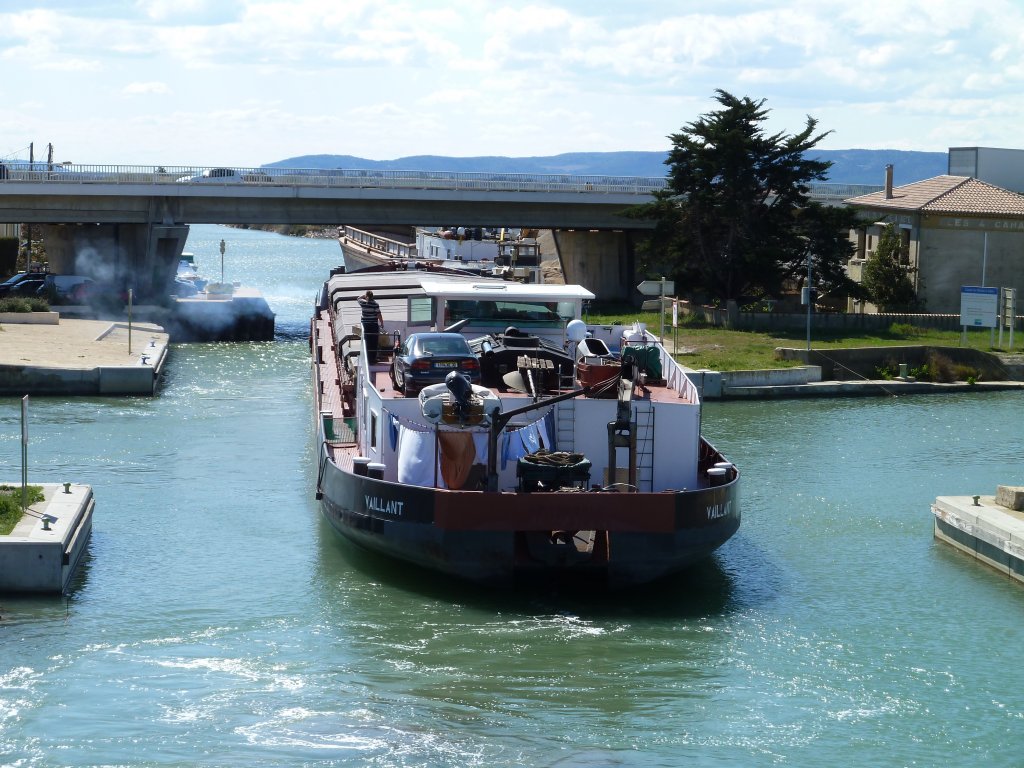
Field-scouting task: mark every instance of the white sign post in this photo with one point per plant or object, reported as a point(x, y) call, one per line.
point(1007, 314)
point(657, 287)
point(660, 288)
point(24, 453)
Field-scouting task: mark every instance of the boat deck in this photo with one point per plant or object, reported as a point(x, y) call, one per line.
point(338, 382)
point(642, 393)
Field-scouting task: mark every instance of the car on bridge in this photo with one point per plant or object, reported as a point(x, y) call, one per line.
point(214, 176)
point(227, 176)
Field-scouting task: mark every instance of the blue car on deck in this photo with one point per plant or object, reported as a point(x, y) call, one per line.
point(426, 358)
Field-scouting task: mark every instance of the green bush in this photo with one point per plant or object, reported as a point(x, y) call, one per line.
point(888, 370)
point(967, 373)
point(907, 330)
point(24, 304)
point(939, 368)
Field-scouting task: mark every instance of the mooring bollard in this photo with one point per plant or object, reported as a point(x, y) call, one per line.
point(67, 487)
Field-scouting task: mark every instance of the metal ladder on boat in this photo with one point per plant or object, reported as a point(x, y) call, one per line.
point(565, 415)
point(565, 429)
point(644, 419)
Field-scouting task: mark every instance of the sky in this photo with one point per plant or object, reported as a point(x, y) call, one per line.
point(247, 82)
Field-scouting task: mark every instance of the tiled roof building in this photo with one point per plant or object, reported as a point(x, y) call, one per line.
point(956, 231)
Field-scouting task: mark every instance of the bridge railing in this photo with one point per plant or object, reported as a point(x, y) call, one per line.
point(70, 173)
point(388, 179)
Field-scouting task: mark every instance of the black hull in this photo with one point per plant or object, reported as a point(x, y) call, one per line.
point(505, 539)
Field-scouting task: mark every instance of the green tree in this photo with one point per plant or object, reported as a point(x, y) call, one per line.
point(735, 219)
point(885, 279)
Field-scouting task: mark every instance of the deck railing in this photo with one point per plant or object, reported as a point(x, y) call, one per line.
point(380, 243)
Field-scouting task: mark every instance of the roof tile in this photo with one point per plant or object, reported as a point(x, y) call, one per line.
point(947, 194)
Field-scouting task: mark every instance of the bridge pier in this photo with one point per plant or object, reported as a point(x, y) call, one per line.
point(143, 257)
point(602, 261)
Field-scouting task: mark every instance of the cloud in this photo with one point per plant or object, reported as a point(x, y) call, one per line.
point(401, 77)
point(136, 89)
point(192, 11)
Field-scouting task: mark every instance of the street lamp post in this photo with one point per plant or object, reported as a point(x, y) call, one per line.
point(809, 290)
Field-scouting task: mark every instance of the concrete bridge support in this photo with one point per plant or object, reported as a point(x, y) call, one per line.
point(602, 261)
point(143, 257)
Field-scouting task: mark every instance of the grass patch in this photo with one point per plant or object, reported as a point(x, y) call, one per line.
point(10, 505)
point(702, 346)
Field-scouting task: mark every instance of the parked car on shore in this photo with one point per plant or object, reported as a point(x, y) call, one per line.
point(10, 283)
point(91, 292)
point(60, 287)
point(25, 288)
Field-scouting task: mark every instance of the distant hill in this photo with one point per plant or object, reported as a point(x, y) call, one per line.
point(849, 166)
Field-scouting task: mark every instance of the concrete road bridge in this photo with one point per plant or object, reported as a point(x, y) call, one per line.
point(135, 218)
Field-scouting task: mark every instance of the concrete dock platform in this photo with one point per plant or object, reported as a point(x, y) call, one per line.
point(243, 315)
point(45, 547)
point(81, 357)
point(988, 528)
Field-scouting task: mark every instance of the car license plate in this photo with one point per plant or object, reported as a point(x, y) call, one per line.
point(445, 364)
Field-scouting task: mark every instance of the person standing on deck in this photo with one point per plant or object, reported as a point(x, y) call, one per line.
point(372, 321)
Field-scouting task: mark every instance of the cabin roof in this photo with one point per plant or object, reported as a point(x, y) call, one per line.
point(495, 290)
point(413, 283)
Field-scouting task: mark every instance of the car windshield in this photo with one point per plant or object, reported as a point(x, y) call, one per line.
point(444, 346)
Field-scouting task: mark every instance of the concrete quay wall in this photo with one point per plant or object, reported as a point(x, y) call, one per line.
point(864, 362)
point(81, 357)
point(985, 528)
point(101, 380)
point(43, 551)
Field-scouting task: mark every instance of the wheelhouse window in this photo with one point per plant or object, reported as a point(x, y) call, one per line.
point(421, 310)
point(529, 314)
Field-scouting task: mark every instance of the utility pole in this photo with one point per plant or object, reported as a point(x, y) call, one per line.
point(28, 227)
point(810, 304)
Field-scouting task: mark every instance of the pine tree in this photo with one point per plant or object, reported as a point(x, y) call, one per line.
point(736, 219)
point(886, 281)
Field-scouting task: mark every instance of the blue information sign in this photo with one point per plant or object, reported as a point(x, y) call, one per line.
point(979, 306)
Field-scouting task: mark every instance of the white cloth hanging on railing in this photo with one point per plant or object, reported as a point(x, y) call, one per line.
point(419, 459)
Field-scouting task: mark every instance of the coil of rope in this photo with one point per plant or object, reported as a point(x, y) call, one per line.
point(554, 458)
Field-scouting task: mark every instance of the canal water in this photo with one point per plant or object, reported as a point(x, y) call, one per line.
point(218, 621)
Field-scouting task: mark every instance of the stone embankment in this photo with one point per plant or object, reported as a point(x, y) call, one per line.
point(847, 373)
point(1013, 363)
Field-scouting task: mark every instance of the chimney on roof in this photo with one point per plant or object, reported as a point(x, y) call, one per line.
point(888, 181)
